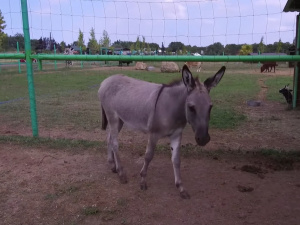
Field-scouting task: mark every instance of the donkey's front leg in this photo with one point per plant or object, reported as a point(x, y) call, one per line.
point(148, 157)
point(175, 145)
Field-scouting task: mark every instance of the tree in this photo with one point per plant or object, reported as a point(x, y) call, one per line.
point(154, 46)
point(215, 49)
point(279, 46)
point(175, 46)
point(63, 46)
point(232, 49)
point(2, 27)
point(5, 42)
point(80, 41)
point(93, 44)
point(143, 44)
point(105, 40)
point(132, 47)
point(18, 37)
point(184, 50)
point(261, 46)
point(148, 49)
point(138, 44)
point(246, 50)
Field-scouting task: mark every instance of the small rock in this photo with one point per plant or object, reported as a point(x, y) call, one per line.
point(244, 188)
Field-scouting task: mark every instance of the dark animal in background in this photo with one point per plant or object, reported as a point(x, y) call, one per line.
point(268, 66)
point(127, 62)
point(287, 94)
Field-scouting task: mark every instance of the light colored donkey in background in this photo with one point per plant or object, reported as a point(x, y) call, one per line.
point(69, 51)
point(159, 110)
point(194, 64)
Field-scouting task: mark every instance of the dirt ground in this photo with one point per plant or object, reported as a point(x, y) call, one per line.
point(41, 185)
point(46, 186)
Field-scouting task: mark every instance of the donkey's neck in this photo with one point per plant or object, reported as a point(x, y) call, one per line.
point(170, 108)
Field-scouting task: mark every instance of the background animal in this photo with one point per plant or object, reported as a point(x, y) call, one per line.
point(287, 94)
point(127, 62)
point(69, 51)
point(194, 64)
point(268, 66)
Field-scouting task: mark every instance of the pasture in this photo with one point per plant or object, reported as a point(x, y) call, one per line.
point(247, 174)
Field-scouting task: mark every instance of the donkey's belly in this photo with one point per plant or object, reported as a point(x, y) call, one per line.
point(136, 121)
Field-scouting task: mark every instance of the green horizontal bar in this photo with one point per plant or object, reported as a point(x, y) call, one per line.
point(259, 58)
point(179, 58)
point(12, 56)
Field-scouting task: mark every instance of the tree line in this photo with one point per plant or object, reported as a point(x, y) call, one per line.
point(140, 46)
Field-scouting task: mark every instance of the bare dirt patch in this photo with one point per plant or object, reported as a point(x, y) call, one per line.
point(48, 186)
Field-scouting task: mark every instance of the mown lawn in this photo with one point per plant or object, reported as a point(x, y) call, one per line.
point(69, 95)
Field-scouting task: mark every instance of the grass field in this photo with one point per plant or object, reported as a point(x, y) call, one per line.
point(69, 95)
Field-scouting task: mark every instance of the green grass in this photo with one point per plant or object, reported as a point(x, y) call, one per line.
point(275, 84)
point(68, 96)
point(51, 143)
point(90, 210)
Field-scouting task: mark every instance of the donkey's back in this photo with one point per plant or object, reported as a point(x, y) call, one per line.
point(129, 99)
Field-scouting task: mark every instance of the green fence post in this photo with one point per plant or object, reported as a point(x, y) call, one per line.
point(30, 81)
point(223, 55)
point(40, 65)
point(81, 54)
point(55, 66)
point(19, 63)
point(296, 75)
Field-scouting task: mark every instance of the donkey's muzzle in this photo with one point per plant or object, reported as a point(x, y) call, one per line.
point(202, 141)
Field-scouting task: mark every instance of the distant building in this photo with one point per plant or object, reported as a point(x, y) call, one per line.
point(268, 54)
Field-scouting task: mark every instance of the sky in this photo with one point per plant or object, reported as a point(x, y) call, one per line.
point(200, 23)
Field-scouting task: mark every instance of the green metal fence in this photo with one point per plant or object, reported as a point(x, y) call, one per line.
point(28, 57)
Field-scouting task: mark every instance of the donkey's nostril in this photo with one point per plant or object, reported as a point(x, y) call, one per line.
point(202, 141)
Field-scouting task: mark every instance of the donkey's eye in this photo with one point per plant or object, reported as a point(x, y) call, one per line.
point(192, 108)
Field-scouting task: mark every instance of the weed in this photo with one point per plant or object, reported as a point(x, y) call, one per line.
point(90, 210)
point(122, 202)
point(51, 196)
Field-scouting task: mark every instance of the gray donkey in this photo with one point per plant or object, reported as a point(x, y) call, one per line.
point(159, 110)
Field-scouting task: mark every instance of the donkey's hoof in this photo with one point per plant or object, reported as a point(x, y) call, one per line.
point(144, 186)
point(123, 179)
point(184, 195)
point(114, 170)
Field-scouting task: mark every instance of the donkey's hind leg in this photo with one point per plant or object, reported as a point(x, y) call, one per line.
point(115, 125)
point(148, 157)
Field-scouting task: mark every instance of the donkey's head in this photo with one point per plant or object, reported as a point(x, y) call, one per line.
point(198, 103)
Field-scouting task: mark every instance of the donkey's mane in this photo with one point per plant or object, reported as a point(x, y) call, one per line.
point(178, 82)
point(173, 83)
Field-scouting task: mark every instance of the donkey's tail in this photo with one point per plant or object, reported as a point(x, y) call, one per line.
point(104, 119)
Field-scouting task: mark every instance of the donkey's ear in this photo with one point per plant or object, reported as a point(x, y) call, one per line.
point(187, 78)
point(214, 80)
